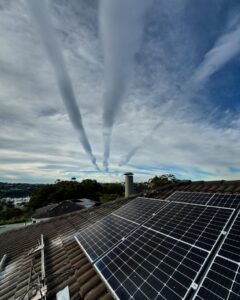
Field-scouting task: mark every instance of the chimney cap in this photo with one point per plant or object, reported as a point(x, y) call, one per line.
point(129, 174)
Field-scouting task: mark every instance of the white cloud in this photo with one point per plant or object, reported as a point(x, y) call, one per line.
point(37, 142)
point(225, 48)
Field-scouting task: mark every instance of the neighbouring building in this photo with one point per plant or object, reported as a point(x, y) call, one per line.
point(61, 208)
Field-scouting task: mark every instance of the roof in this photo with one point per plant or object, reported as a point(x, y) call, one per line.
point(65, 262)
point(57, 209)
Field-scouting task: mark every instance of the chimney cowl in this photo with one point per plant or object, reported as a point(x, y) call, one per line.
point(129, 174)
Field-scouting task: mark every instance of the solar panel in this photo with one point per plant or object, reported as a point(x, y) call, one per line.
point(100, 237)
point(150, 265)
point(225, 200)
point(195, 224)
point(140, 209)
point(231, 246)
point(188, 197)
point(221, 282)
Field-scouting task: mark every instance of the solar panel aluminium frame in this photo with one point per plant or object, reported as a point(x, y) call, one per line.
point(226, 236)
point(120, 217)
point(226, 194)
point(210, 199)
point(104, 280)
point(92, 261)
point(186, 192)
point(216, 283)
point(201, 205)
point(145, 198)
point(194, 285)
point(215, 256)
point(223, 232)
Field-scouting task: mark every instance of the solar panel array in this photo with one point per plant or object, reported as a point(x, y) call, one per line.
point(222, 280)
point(140, 209)
point(103, 235)
point(194, 224)
point(225, 200)
point(149, 265)
point(231, 246)
point(155, 249)
point(210, 199)
point(195, 198)
point(100, 237)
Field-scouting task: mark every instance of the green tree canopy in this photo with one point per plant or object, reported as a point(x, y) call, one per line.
point(158, 181)
point(65, 190)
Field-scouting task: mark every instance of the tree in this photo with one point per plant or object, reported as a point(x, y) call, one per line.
point(9, 213)
point(113, 188)
point(158, 181)
point(91, 189)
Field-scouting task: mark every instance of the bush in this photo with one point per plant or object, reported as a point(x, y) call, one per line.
point(14, 220)
point(10, 213)
point(108, 197)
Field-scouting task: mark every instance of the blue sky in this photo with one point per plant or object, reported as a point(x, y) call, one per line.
point(160, 79)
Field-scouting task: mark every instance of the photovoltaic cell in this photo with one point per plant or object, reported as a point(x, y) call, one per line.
point(195, 224)
point(149, 265)
point(103, 235)
point(231, 246)
point(140, 209)
point(188, 197)
point(222, 281)
point(225, 200)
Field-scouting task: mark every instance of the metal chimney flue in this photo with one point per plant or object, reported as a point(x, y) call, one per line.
point(128, 184)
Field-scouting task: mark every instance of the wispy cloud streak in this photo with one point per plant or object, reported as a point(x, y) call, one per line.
point(120, 26)
point(126, 159)
point(226, 47)
point(41, 17)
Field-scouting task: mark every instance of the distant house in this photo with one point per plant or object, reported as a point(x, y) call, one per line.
point(61, 208)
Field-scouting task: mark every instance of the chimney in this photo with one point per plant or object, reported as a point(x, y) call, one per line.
point(128, 184)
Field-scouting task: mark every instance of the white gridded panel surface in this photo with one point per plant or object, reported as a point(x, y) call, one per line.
point(231, 246)
point(195, 224)
point(222, 281)
point(140, 209)
point(189, 197)
point(149, 265)
point(225, 200)
point(100, 237)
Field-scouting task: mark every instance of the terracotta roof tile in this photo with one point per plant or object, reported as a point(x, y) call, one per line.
point(65, 262)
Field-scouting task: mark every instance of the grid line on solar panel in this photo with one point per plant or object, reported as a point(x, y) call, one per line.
point(225, 200)
point(191, 197)
point(222, 281)
point(197, 225)
point(149, 265)
point(140, 209)
point(231, 245)
point(100, 237)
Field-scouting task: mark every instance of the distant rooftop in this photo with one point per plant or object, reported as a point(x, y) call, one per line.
point(58, 209)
